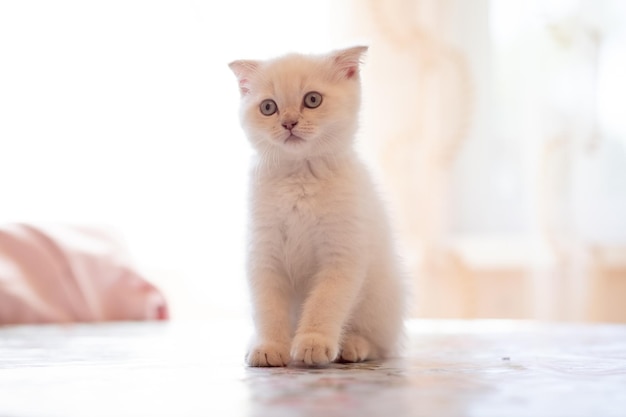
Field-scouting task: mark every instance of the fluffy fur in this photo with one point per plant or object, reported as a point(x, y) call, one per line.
point(322, 271)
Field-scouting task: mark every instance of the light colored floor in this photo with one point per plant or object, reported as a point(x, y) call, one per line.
point(452, 368)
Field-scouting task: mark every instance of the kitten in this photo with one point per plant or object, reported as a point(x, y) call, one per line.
point(323, 275)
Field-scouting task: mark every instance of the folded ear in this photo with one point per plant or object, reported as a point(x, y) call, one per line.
point(347, 61)
point(244, 70)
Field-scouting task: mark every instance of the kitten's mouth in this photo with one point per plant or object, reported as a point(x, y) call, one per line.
point(293, 139)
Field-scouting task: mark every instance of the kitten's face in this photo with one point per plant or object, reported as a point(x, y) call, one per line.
point(300, 106)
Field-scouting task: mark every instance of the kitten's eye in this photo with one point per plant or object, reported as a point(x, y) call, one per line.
point(312, 99)
point(268, 107)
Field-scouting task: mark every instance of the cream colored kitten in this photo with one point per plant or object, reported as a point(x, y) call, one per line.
point(323, 274)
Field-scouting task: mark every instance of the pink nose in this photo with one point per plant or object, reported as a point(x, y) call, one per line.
point(290, 124)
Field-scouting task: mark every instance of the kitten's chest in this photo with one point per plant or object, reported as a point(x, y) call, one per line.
point(297, 203)
point(294, 206)
point(292, 214)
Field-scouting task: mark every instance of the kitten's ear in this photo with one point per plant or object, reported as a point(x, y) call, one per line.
point(244, 70)
point(347, 61)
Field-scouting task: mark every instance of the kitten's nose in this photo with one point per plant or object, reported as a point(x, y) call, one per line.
point(290, 124)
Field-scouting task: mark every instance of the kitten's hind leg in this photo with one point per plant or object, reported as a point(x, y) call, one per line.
point(356, 348)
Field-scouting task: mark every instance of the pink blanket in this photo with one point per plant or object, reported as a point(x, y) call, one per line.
point(61, 274)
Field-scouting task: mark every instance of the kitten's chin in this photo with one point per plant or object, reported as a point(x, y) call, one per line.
point(294, 144)
point(292, 140)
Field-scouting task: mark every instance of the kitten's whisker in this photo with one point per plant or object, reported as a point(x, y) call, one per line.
point(326, 142)
point(268, 160)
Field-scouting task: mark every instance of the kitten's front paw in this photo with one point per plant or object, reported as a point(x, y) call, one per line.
point(268, 354)
point(313, 349)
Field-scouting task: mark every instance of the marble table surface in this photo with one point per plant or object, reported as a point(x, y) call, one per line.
point(450, 368)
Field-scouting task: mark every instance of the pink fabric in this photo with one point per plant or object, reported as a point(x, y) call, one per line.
point(62, 274)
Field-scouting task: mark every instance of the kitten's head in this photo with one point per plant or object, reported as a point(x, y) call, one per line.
point(300, 105)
